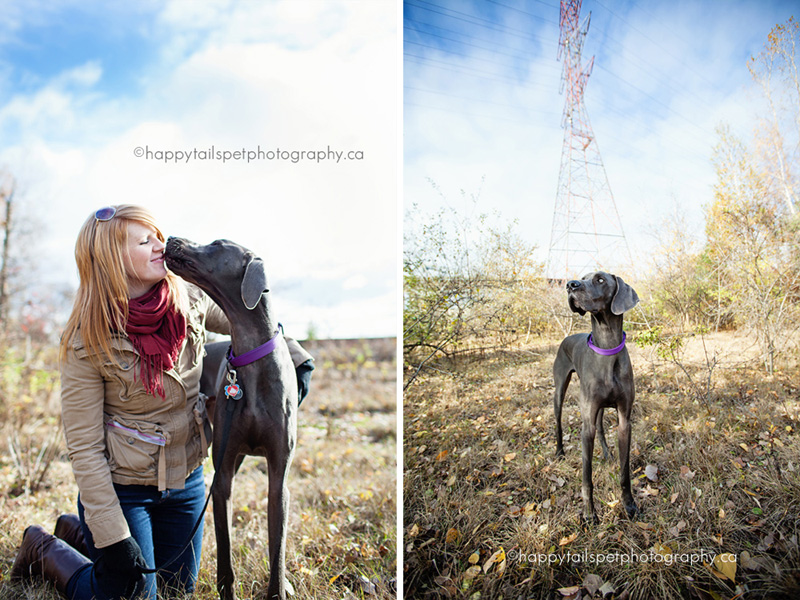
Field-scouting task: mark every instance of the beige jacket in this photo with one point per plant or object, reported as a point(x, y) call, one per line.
point(118, 433)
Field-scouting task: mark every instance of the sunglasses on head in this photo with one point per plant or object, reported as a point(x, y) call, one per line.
point(105, 214)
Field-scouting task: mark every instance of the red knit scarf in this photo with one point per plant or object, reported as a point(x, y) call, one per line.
point(157, 330)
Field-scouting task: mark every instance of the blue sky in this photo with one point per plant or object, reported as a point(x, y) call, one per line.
point(85, 83)
point(482, 109)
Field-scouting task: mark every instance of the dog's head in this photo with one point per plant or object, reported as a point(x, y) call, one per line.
point(218, 268)
point(600, 291)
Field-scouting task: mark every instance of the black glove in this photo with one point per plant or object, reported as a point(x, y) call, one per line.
point(304, 379)
point(119, 568)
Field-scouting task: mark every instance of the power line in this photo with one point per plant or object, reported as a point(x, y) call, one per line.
point(472, 19)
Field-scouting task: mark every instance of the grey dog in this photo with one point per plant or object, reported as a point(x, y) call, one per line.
point(603, 365)
point(264, 420)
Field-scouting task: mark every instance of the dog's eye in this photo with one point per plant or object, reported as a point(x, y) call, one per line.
point(600, 280)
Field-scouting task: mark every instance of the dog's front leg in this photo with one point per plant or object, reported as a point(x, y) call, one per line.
point(589, 412)
point(562, 373)
point(279, 460)
point(222, 528)
point(221, 493)
point(624, 441)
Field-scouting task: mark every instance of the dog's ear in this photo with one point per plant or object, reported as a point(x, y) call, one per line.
point(254, 283)
point(625, 297)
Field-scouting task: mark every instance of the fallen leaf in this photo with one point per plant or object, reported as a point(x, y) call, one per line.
point(606, 589)
point(501, 567)
point(592, 583)
point(441, 456)
point(514, 511)
point(748, 562)
point(569, 591)
point(662, 549)
point(414, 531)
point(452, 535)
point(474, 558)
point(726, 564)
point(648, 490)
point(767, 542)
point(510, 456)
point(498, 556)
point(452, 481)
point(367, 586)
point(651, 471)
point(687, 473)
point(568, 539)
point(472, 572)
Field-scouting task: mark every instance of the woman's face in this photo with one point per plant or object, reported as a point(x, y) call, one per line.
point(144, 259)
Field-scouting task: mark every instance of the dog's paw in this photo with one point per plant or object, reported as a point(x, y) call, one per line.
point(589, 520)
point(632, 510)
point(560, 454)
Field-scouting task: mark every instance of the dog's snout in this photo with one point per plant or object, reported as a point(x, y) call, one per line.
point(573, 285)
point(174, 243)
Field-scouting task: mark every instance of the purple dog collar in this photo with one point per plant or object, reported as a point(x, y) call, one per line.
point(254, 354)
point(606, 351)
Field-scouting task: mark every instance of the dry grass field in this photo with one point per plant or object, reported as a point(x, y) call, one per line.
point(489, 512)
point(342, 536)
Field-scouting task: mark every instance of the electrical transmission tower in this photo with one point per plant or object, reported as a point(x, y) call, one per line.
point(587, 233)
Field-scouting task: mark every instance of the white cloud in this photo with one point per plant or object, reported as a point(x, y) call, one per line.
point(236, 87)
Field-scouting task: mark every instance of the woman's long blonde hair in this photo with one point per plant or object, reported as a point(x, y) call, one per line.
point(101, 303)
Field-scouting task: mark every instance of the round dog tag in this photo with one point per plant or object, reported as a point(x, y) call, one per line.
point(233, 391)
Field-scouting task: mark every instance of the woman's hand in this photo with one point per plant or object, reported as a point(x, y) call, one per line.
point(119, 568)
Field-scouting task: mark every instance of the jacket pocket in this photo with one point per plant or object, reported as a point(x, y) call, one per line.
point(123, 374)
point(195, 337)
point(134, 447)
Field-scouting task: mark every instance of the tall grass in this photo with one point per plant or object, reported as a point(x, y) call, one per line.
point(342, 520)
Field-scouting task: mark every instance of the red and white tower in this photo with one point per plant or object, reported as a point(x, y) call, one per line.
point(587, 233)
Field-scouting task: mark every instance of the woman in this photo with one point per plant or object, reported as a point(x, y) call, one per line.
point(135, 425)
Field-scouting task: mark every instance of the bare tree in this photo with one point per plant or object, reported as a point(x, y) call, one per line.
point(775, 71)
point(752, 245)
point(7, 188)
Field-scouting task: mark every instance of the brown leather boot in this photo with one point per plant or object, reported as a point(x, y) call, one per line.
point(68, 528)
point(46, 555)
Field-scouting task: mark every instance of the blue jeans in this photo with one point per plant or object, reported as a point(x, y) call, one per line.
point(160, 522)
